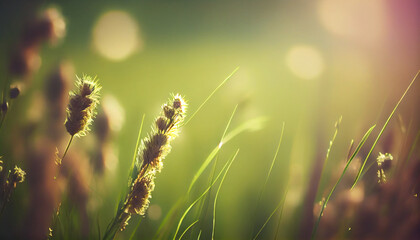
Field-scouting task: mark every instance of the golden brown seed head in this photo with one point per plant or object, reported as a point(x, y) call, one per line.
point(138, 201)
point(82, 106)
point(168, 111)
point(179, 103)
point(155, 149)
point(161, 123)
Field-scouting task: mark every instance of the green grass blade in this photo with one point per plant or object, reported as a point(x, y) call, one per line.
point(228, 124)
point(135, 230)
point(274, 160)
point(133, 163)
point(200, 197)
point(280, 204)
point(217, 194)
point(382, 130)
point(252, 124)
point(188, 228)
point(359, 146)
point(168, 218)
point(204, 204)
point(211, 94)
point(268, 175)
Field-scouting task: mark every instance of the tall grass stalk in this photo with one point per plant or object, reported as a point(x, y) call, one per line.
point(337, 126)
point(217, 195)
point(205, 202)
point(356, 151)
point(211, 95)
point(382, 130)
point(268, 175)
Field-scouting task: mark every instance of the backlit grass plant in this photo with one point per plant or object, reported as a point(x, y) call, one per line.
point(148, 163)
point(81, 109)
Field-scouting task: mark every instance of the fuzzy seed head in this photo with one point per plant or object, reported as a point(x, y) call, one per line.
point(81, 109)
point(382, 158)
point(18, 176)
point(161, 124)
point(155, 148)
point(138, 201)
point(168, 111)
point(179, 103)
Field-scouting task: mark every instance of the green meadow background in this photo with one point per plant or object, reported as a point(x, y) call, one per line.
point(366, 54)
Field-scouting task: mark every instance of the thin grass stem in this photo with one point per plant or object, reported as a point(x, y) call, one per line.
point(211, 94)
point(249, 125)
point(67, 148)
point(356, 151)
point(217, 195)
point(188, 228)
point(268, 175)
point(382, 130)
point(227, 165)
point(280, 204)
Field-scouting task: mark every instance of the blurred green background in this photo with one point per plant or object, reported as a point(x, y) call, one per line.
point(305, 63)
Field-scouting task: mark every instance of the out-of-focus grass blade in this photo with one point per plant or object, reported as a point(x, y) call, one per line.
point(211, 94)
point(252, 124)
point(416, 140)
point(188, 228)
point(228, 163)
point(205, 202)
point(269, 173)
point(382, 130)
point(170, 216)
point(359, 146)
point(98, 227)
point(274, 160)
point(281, 204)
point(337, 126)
point(135, 230)
point(217, 194)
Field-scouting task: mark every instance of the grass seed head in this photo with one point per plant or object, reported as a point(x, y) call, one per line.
point(157, 145)
point(18, 176)
point(138, 201)
point(81, 109)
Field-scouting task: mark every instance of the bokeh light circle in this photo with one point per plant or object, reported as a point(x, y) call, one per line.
point(305, 61)
point(116, 35)
point(357, 19)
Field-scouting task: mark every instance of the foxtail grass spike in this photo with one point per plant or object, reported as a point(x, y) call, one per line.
point(81, 109)
point(149, 161)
